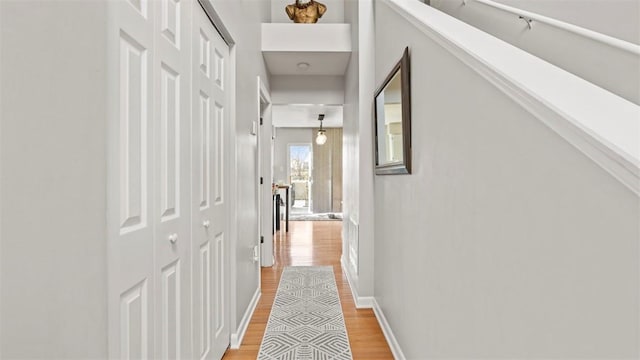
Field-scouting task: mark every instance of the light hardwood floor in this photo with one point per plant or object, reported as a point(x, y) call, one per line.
point(313, 243)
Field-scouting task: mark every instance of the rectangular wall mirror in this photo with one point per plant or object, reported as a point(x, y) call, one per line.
point(393, 121)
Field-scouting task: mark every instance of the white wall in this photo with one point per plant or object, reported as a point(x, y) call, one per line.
point(304, 89)
point(506, 241)
point(604, 65)
point(53, 185)
point(306, 116)
point(358, 152)
point(619, 18)
point(334, 14)
point(284, 137)
point(243, 19)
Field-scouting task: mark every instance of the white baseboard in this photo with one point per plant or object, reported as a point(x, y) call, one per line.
point(361, 302)
point(368, 302)
point(236, 338)
point(388, 334)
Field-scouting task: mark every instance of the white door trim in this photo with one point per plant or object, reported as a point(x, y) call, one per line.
point(265, 249)
point(233, 191)
point(217, 22)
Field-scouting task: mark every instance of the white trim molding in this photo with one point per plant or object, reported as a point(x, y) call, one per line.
point(388, 333)
point(266, 248)
point(236, 338)
point(598, 123)
point(361, 302)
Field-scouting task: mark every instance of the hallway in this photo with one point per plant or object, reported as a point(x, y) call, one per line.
point(313, 243)
point(141, 142)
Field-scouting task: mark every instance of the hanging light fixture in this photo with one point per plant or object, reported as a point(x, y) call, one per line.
point(321, 138)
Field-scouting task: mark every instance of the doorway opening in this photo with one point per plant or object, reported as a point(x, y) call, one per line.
point(300, 167)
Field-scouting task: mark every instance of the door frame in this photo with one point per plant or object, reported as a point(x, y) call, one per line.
point(264, 168)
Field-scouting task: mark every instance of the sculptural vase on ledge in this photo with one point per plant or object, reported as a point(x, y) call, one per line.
point(305, 12)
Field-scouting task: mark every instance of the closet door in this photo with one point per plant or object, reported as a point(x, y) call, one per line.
point(210, 189)
point(172, 178)
point(129, 172)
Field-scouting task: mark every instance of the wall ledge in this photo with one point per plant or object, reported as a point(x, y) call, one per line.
point(603, 126)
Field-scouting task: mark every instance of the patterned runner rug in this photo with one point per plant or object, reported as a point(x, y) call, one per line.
point(306, 320)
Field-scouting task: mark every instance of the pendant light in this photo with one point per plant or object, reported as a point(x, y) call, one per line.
point(321, 138)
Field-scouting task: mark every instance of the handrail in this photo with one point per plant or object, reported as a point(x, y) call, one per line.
point(606, 39)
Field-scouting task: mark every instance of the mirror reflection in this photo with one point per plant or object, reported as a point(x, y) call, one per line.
point(389, 111)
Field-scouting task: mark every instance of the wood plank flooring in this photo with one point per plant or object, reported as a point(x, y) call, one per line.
point(313, 243)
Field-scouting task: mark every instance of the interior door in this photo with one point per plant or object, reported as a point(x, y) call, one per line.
point(129, 169)
point(210, 188)
point(172, 178)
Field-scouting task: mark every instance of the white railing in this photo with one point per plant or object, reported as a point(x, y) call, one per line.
point(590, 34)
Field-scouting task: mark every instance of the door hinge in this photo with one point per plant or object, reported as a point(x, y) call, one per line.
point(261, 121)
point(261, 180)
point(261, 239)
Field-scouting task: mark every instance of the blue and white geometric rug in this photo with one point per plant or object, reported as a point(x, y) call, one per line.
point(306, 321)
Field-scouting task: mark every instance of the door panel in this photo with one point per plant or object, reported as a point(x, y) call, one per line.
point(219, 173)
point(133, 134)
point(202, 153)
point(134, 331)
point(219, 303)
point(172, 174)
point(210, 210)
point(129, 169)
point(170, 147)
point(220, 208)
point(171, 341)
point(204, 288)
point(171, 25)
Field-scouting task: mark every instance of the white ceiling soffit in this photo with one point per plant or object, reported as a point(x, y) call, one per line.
point(325, 49)
point(306, 116)
point(320, 63)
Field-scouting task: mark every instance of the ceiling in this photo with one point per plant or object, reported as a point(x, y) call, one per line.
point(320, 63)
point(306, 115)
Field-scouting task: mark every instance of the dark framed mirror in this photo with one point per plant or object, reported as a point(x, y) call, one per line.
point(392, 121)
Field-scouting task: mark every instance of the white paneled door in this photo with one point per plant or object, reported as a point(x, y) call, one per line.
point(210, 189)
point(167, 182)
point(172, 178)
point(130, 187)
